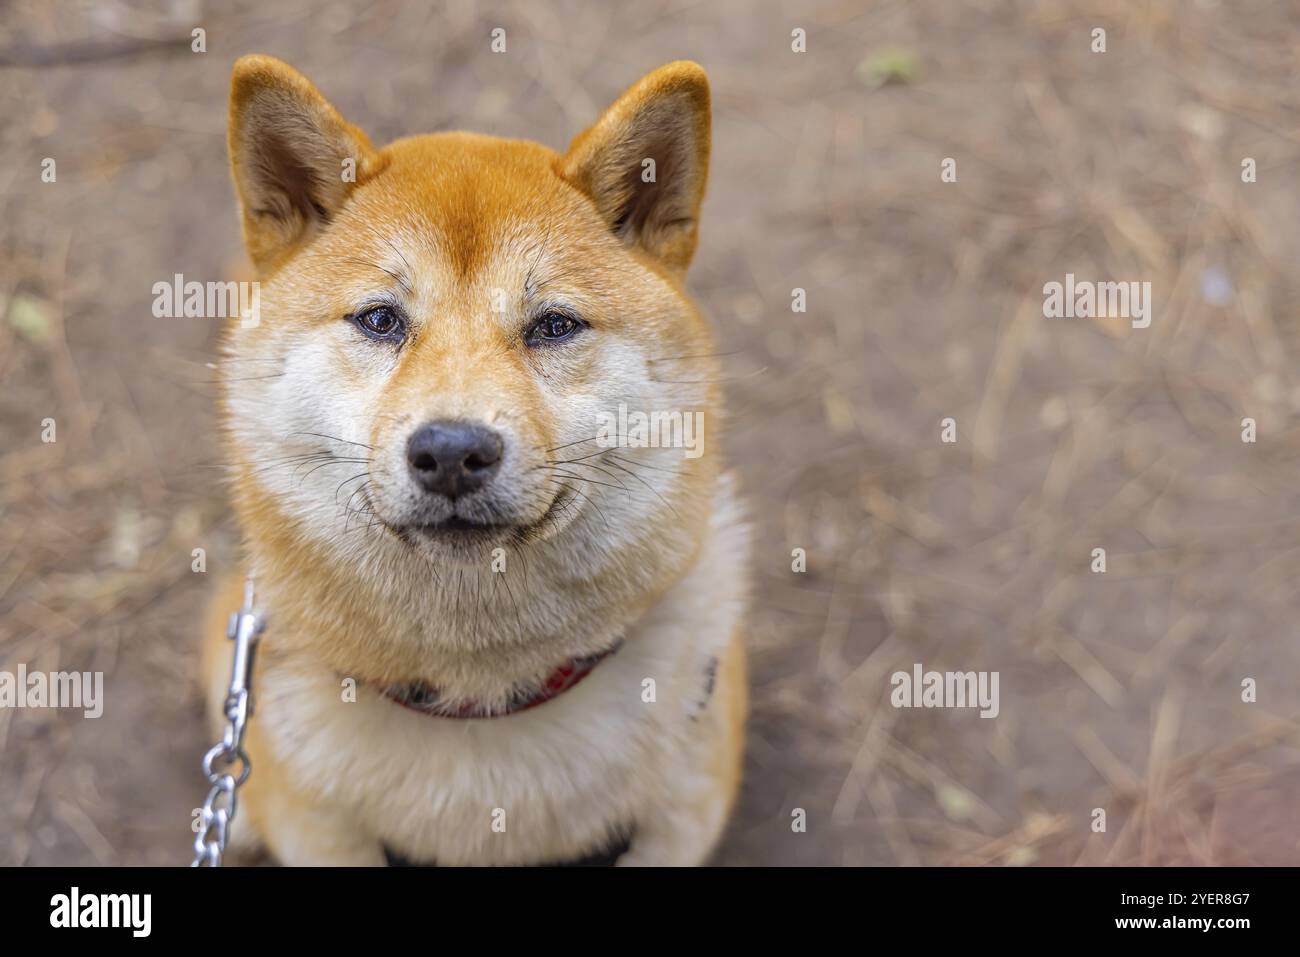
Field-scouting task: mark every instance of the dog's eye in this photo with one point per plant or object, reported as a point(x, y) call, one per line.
point(380, 322)
point(553, 327)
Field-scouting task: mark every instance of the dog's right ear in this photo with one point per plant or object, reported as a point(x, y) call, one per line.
point(294, 159)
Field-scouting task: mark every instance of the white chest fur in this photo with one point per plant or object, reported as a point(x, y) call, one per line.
point(547, 784)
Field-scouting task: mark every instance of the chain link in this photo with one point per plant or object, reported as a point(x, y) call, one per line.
point(226, 764)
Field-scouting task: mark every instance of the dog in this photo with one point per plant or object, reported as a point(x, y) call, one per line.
point(499, 629)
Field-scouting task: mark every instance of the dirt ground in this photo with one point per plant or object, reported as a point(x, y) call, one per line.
point(1120, 691)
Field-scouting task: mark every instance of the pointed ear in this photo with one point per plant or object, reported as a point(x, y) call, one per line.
point(289, 153)
point(663, 118)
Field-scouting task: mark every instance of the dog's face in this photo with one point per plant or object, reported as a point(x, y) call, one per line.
point(448, 326)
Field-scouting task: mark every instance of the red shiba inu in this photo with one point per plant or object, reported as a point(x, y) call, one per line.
point(499, 630)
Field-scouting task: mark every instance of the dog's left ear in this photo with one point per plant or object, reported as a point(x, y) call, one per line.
point(646, 160)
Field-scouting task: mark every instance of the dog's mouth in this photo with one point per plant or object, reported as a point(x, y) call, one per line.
point(454, 530)
point(460, 531)
point(455, 524)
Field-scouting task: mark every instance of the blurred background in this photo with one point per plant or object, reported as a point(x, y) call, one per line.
point(1120, 691)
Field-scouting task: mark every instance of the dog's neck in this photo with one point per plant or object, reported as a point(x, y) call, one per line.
point(473, 632)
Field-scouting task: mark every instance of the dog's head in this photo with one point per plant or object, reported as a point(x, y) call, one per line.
point(456, 333)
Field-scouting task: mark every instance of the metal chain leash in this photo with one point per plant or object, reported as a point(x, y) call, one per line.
point(226, 764)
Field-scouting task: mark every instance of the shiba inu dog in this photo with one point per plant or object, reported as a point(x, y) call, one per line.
point(496, 633)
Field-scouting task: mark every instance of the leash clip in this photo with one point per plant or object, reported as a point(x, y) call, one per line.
point(245, 627)
point(226, 764)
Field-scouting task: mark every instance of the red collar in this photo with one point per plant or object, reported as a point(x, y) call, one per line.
point(426, 699)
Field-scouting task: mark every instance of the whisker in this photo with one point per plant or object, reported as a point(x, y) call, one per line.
point(404, 281)
point(579, 442)
point(702, 355)
point(396, 277)
point(335, 438)
point(582, 457)
point(645, 465)
point(586, 498)
point(588, 465)
point(331, 461)
point(364, 475)
point(651, 488)
point(581, 478)
point(717, 381)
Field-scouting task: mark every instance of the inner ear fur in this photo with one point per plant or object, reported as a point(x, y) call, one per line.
point(664, 117)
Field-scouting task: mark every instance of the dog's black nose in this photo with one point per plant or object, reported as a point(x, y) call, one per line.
point(453, 458)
